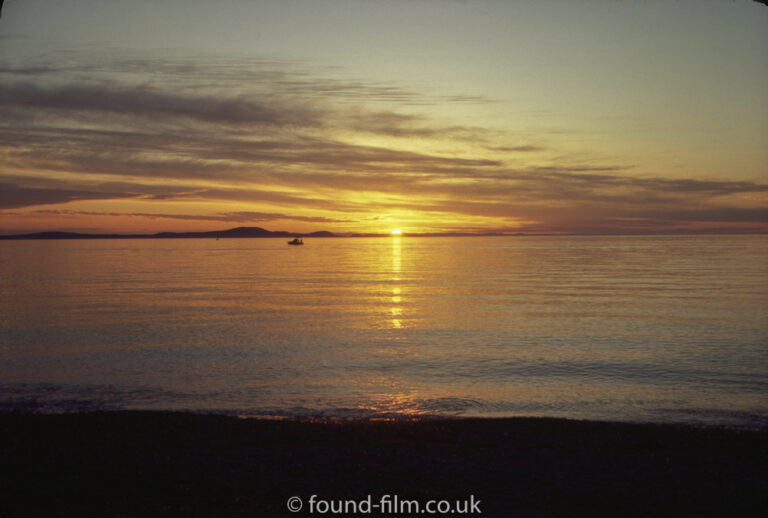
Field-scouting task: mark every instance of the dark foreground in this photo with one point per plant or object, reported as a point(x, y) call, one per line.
point(161, 464)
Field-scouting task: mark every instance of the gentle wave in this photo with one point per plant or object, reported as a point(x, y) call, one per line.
point(670, 329)
point(47, 398)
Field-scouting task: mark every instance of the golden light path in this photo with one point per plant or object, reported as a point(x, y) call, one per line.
point(396, 310)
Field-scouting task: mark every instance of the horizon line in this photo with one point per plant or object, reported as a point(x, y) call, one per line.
point(259, 232)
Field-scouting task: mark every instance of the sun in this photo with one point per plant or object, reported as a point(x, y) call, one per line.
point(397, 232)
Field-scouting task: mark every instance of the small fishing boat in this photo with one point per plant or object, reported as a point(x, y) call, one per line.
point(296, 241)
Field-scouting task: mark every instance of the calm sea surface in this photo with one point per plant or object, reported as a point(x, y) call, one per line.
point(662, 329)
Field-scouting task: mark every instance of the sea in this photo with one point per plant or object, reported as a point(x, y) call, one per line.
point(661, 329)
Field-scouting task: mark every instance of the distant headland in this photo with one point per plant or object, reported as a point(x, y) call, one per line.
point(231, 233)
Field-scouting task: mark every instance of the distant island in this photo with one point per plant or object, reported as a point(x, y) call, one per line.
point(231, 233)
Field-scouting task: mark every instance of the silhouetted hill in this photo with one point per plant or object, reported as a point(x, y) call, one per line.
point(231, 233)
point(321, 233)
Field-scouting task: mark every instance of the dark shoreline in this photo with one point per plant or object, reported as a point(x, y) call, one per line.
point(136, 463)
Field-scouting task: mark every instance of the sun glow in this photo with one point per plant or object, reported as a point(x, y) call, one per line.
point(396, 232)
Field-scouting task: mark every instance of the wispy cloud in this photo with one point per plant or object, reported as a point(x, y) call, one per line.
point(14, 196)
point(225, 217)
point(290, 144)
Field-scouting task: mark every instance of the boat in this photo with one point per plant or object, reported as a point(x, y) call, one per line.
point(296, 241)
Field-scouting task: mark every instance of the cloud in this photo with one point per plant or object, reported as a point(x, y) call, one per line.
point(239, 216)
point(14, 196)
point(710, 215)
point(197, 154)
point(516, 149)
point(81, 101)
point(261, 133)
point(153, 109)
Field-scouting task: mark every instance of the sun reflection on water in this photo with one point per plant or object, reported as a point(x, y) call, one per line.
point(397, 402)
point(396, 310)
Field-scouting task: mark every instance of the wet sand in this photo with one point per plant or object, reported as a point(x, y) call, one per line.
point(176, 464)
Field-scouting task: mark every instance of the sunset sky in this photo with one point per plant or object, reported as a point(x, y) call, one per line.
point(364, 116)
